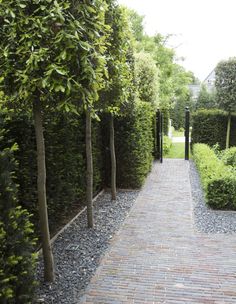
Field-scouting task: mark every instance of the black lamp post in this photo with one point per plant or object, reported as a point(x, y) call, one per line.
point(186, 133)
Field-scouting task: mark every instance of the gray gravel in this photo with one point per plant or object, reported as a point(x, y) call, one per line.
point(208, 220)
point(75, 266)
point(78, 250)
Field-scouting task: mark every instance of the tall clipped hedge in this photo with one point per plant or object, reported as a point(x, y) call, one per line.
point(17, 260)
point(65, 160)
point(65, 156)
point(134, 145)
point(210, 127)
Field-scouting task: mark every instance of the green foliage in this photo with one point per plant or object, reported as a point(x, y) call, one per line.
point(146, 78)
point(176, 151)
point(66, 164)
point(163, 57)
point(205, 100)
point(134, 146)
point(173, 79)
point(210, 127)
point(17, 262)
point(165, 120)
point(226, 85)
point(177, 113)
point(219, 182)
point(119, 51)
point(136, 22)
point(182, 97)
point(52, 49)
point(228, 156)
point(65, 160)
point(207, 162)
point(167, 143)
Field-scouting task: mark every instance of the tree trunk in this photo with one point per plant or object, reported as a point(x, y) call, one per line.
point(228, 131)
point(89, 157)
point(42, 200)
point(113, 159)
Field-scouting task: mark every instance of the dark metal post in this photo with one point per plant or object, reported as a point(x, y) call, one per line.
point(158, 143)
point(186, 133)
point(161, 137)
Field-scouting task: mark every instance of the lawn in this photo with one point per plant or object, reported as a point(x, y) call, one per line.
point(176, 151)
point(177, 133)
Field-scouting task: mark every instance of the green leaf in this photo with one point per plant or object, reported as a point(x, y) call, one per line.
point(60, 88)
point(60, 71)
point(12, 14)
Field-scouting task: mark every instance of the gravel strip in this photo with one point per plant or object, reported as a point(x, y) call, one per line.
point(78, 250)
point(208, 220)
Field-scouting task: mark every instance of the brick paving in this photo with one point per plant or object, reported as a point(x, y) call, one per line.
point(159, 257)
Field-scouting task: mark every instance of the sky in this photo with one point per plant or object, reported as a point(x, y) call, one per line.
point(204, 31)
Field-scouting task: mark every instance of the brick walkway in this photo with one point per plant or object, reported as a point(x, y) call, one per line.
point(158, 257)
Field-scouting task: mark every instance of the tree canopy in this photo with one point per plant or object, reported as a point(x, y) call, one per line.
point(146, 78)
point(226, 84)
point(52, 47)
point(226, 89)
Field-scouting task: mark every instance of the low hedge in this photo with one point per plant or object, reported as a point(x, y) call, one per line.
point(228, 156)
point(167, 143)
point(210, 127)
point(218, 180)
point(17, 260)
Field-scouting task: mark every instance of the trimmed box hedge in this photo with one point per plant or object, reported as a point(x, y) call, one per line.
point(228, 157)
point(218, 180)
point(210, 127)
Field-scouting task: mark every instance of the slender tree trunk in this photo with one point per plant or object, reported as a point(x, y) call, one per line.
point(89, 157)
point(228, 131)
point(42, 200)
point(113, 159)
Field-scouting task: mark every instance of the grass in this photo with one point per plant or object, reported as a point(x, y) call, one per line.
point(177, 133)
point(177, 151)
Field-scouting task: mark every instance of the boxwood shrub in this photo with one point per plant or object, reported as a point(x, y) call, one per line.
point(218, 180)
point(228, 156)
point(210, 127)
point(167, 143)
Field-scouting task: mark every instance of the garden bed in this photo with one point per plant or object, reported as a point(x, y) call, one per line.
point(206, 219)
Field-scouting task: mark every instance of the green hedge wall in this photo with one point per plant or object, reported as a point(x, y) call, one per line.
point(17, 260)
point(218, 180)
point(134, 145)
point(65, 161)
point(66, 157)
point(210, 126)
